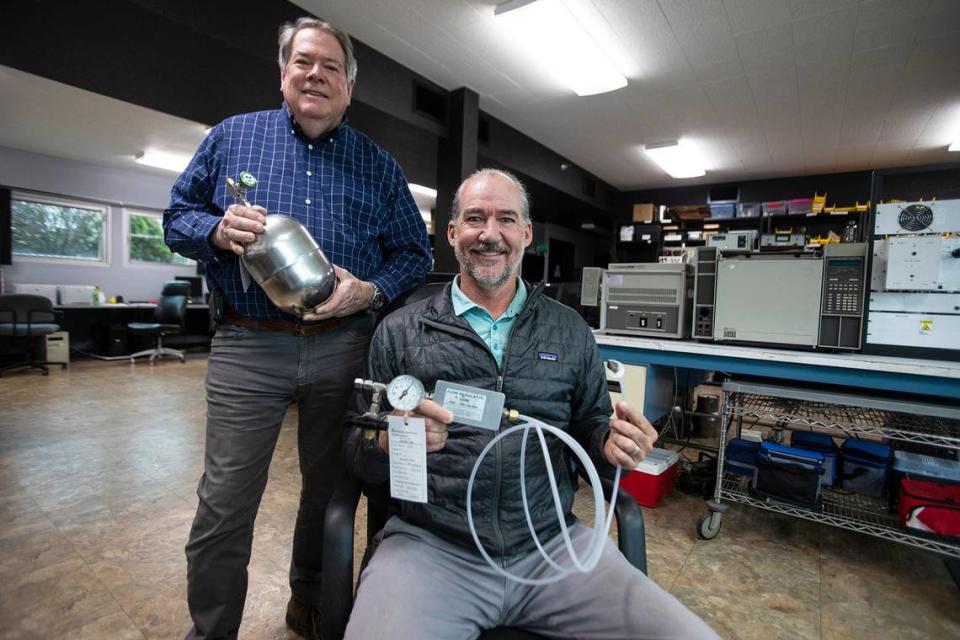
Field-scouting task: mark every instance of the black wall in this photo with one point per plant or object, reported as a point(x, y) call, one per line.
point(6, 220)
point(205, 61)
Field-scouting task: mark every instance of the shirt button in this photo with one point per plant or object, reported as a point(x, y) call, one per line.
point(309, 146)
point(307, 201)
point(309, 173)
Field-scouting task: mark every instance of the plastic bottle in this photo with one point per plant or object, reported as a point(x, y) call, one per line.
point(95, 297)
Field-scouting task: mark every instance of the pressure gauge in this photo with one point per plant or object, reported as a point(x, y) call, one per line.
point(405, 393)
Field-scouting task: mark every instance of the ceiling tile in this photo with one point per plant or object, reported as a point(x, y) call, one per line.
point(750, 15)
point(943, 127)
point(766, 49)
point(860, 129)
point(800, 9)
point(831, 57)
point(852, 158)
point(720, 69)
point(905, 126)
point(886, 59)
point(901, 33)
point(944, 19)
point(878, 12)
point(702, 29)
point(836, 25)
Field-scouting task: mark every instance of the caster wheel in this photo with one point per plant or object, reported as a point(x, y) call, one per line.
point(709, 525)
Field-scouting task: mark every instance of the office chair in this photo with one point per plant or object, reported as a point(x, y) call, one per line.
point(26, 319)
point(337, 580)
point(169, 318)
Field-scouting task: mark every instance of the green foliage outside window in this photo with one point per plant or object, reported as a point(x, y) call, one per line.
point(57, 231)
point(146, 242)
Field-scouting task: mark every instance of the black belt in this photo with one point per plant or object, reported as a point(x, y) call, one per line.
point(298, 328)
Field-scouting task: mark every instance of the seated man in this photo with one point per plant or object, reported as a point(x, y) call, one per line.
point(489, 329)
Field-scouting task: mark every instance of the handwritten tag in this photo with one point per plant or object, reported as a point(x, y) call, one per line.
point(408, 458)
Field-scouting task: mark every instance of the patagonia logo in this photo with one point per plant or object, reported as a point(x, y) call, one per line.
point(546, 355)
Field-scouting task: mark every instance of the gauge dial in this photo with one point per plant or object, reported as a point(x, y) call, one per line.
point(405, 393)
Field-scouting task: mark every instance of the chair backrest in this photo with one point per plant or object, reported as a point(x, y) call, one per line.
point(172, 304)
point(23, 313)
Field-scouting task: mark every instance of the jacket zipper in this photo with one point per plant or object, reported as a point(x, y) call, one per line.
point(495, 507)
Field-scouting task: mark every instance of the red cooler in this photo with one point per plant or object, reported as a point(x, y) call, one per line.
point(653, 478)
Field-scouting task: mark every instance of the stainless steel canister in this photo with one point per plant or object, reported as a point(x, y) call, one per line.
point(290, 266)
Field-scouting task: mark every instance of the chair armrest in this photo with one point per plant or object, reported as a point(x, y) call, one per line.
point(632, 534)
point(336, 583)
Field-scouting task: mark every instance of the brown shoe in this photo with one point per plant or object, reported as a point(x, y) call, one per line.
point(303, 619)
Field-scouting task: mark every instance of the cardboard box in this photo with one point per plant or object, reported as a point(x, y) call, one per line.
point(653, 478)
point(643, 213)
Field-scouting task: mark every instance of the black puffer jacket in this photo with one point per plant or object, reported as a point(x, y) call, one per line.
point(551, 371)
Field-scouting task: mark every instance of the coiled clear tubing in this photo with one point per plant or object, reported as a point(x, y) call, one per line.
point(601, 525)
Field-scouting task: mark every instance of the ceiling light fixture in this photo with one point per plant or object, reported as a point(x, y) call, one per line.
point(588, 226)
point(559, 42)
point(420, 190)
point(170, 161)
point(679, 158)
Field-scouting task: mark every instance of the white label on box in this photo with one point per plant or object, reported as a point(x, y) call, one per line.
point(408, 458)
point(464, 404)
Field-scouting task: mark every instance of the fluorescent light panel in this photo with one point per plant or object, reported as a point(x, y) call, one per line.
point(168, 160)
point(560, 44)
point(423, 191)
point(679, 159)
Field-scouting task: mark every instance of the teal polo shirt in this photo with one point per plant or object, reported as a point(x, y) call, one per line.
point(493, 332)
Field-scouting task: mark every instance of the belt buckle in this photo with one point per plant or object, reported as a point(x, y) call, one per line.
point(298, 328)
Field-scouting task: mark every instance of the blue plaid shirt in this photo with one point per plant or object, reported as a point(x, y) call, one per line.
point(350, 194)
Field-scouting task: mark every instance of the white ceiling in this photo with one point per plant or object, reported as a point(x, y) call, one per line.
point(55, 119)
point(764, 87)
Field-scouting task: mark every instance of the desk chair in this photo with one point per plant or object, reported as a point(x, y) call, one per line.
point(169, 318)
point(337, 582)
point(26, 319)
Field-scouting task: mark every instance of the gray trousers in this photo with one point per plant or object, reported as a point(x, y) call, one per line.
point(420, 586)
point(252, 377)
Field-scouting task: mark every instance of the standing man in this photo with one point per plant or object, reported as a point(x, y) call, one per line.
point(490, 330)
point(353, 198)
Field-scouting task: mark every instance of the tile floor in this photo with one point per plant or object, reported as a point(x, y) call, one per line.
point(98, 467)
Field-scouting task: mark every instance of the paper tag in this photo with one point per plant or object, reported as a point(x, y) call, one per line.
point(408, 458)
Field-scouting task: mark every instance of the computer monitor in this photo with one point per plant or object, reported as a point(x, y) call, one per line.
point(196, 285)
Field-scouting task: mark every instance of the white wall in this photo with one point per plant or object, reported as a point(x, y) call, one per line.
point(116, 188)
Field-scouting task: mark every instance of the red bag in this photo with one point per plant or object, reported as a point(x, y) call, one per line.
point(930, 507)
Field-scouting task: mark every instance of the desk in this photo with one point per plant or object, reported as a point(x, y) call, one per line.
point(102, 329)
point(904, 375)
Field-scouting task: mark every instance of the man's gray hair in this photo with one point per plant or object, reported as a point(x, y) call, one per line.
point(290, 29)
point(524, 195)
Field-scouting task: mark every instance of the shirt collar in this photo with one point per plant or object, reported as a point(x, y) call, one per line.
point(298, 130)
point(462, 304)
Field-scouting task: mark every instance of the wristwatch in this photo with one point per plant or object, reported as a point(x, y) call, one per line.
point(377, 300)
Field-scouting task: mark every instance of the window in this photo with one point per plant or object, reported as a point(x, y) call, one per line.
point(145, 241)
point(48, 229)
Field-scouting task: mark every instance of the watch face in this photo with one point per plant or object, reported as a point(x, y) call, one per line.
point(405, 393)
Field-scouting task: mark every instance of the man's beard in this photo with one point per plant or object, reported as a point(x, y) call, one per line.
point(483, 280)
